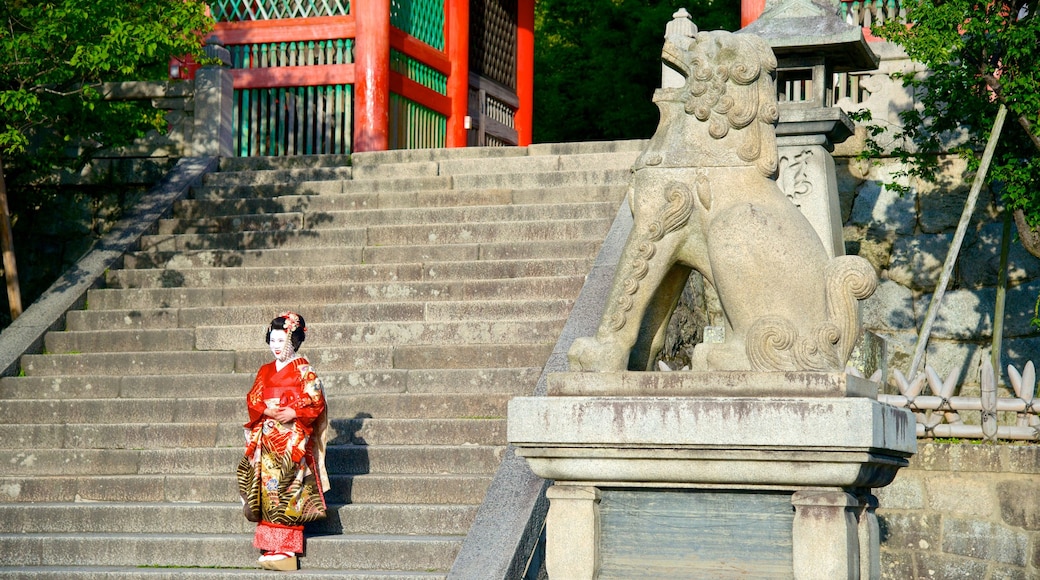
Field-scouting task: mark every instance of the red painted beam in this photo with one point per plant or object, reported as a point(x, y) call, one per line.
point(457, 45)
point(284, 30)
point(416, 92)
point(372, 75)
point(293, 76)
point(524, 117)
point(419, 50)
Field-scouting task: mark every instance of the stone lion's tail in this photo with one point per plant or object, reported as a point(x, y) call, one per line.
point(775, 343)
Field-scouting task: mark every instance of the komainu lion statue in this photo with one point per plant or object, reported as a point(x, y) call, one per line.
point(704, 197)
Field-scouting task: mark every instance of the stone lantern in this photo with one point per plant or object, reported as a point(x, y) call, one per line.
point(812, 43)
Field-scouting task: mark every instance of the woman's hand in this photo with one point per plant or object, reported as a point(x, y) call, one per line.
point(281, 414)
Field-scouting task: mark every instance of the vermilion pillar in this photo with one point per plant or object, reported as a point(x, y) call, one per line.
point(750, 10)
point(524, 71)
point(457, 47)
point(371, 75)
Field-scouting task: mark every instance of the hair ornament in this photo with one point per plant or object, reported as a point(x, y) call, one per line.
point(292, 322)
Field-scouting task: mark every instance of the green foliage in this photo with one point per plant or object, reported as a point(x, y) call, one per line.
point(597, 63)
point(53, 114)
point(978, 55)
point(56, 55)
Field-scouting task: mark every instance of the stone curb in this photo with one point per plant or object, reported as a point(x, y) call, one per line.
point(25, 335)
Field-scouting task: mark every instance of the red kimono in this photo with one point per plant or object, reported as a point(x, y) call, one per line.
point(282, 476)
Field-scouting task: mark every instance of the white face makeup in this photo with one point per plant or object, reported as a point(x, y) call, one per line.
point(280, 346)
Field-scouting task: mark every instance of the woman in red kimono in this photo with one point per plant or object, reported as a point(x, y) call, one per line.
point(282, 476)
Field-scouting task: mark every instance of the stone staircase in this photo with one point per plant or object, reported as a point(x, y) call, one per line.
point(434, 284)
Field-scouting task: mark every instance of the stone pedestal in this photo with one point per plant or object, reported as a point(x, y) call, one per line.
point(670, 478)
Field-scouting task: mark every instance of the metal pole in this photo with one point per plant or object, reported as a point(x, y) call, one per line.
point(958, 239)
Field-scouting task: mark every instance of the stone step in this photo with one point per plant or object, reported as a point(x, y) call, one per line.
point(200, 433)
point(340, 459)
point(254, 240)
point(356, 273)
point(342, 186)
point(427, 553)
point(129, 363)
point(548, 179)
point(238, 164)
point(242, 337)
point(427, 199)
point(527, 180)
point(540, 163)
point(211, 573)
point(331, 334)
point(308, 219)
point(164, 412)
point(406, 291)
point(390, 158)
point(382, 235)
point(486, 232)
point(362, 488)
point(227, 518)
point(158, 318)
point(513, 381)
point(118, 340)
point(267, 176)
point(363, 255)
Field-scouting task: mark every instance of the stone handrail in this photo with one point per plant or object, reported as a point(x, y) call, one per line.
point(25, 334)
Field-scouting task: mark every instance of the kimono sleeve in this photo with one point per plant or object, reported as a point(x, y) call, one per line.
point(312, 402)
point(255, 401)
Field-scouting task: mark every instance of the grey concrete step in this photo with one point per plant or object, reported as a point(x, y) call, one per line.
point(343, 410)
point(383, 235)
point(411, 357)
point(332, 334)
point(341, 459)
point(365, 186)
point(428, 199)
point(208, 338)
point(254, 240)
point(429, 553)
point(130, 363)
point(201, 434)
point(463, 489)
point(208, 573)
point(348, 292)
point(527, 180)
point(267, 176)
point(403, 169)
point(200, 277)
point(514, 381)
point(362, 255)
point(486, 232)
point(118, 340)
point(227, 518)
point(392, 157)
point(622, 160)
point(362, 218)
point(236, 164)
point(548, 179)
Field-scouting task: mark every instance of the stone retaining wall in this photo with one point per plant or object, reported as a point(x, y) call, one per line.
point(907, 237)
point(963, 511)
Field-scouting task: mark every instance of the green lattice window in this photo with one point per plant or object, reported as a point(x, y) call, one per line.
point(423, 74)
point(238, 10)
point(423, 19)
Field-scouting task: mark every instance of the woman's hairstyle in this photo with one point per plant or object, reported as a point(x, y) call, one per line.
point(293, 325)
